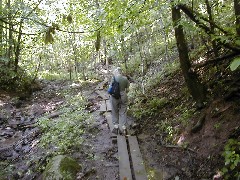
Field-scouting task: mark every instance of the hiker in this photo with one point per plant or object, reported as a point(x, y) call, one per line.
point(119, 106)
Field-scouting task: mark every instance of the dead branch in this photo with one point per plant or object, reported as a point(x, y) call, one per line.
point(216, 60)
point(54, 114)
point(181, 147)
point(198, 20)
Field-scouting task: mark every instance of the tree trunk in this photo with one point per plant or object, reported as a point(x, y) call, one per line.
point(1, 30)
point(17, 52)
point(209, 10)
point(142, 64)
point(195, 87)
point(165, 37)
point(199, 23)
point(74, 52)
point(10, 36)
point(237, 14)
point(105, 54)
point(124, 55)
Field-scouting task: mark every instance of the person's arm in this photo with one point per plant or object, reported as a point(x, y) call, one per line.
point(111, 81)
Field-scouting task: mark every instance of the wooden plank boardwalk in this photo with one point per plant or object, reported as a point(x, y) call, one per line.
point(101, 85)
point(137, 161)
point(102, 94)
point(123, 159)
point(131, 165)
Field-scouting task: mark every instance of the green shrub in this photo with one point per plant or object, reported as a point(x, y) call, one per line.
point(149, 108)
point(65, 133)
point(166, 127)
point(231, 155)
point(185, 113)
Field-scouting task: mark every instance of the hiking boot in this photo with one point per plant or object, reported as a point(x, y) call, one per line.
point(124, 131)
point(115, 129)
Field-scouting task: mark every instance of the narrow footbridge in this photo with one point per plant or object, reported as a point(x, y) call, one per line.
point(131, 165)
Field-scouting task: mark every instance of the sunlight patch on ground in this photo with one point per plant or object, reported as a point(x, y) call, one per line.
point(75, 85)
point(200, 60)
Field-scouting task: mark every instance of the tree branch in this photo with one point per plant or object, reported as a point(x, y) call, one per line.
point(31, 34)
point(28, 34)
point(198, 22)
point(228, 56)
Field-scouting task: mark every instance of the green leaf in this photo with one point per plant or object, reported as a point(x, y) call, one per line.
point(238, 42)
point(224, 170)
point(235, 63)
point(236, 162)
point(232, 167)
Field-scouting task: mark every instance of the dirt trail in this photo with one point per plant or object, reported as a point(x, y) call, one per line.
point(18, 117)
point(104, 160)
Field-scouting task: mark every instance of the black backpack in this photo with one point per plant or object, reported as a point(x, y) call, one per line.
point(114, 89)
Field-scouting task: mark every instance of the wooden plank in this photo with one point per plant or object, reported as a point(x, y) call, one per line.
point(124, 164)
point(137, 161)
point(104, 95)
point(108, 116)
point(109, 106)
point(103, 106)
point(101, 85)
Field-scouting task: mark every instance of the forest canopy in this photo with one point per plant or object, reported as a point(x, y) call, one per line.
point(45, 38)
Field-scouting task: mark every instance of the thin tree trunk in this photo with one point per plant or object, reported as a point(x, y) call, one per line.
point(148, 40)
point(142, 64)
point(10, 36)
point(164, 34)
point(70, 71)
point(37, 69)
point(237, 14)
point(17, 52)
point(195, 88)
point(1, 31)
point(75, 53)
point(124, 55)
point(105, 54)
point(209, 10)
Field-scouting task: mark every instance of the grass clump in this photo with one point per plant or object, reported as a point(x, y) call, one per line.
point(64, 133)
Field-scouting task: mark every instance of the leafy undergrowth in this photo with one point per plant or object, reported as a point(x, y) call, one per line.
point(167, 119)
point(62, 132)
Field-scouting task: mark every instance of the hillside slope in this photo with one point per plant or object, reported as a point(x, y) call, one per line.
point(177, 139)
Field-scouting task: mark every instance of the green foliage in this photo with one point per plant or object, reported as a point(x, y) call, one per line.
point(235, 64)
point(65, 132)
point(166, 127)
point(10, 80)
point(232, 159)
point(169, 127)
point(217, 125)
point(53, 75)
point(145, 105)
point(167, 69)
point(7, 76)
point(184, 114)
point(148, 109)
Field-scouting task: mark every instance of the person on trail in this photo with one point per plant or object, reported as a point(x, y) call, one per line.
point(119, 106)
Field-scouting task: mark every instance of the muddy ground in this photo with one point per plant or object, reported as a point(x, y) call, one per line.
point(201, 158)
point(98, 156)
